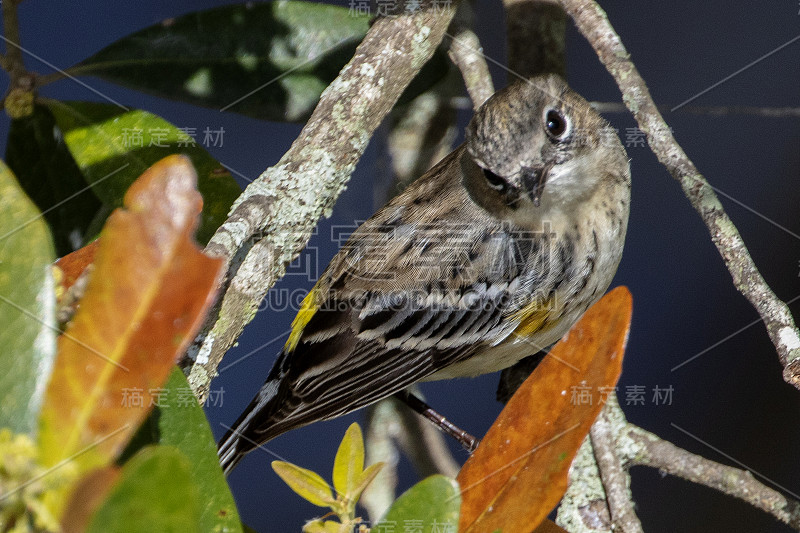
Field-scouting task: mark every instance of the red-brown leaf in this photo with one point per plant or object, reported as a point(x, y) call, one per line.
point(146, 299)
point(72, 265)
point(519, 471)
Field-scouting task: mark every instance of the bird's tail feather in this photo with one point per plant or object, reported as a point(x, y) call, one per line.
point(242, 437)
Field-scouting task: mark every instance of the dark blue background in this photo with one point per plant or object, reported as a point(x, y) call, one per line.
point(731, 397)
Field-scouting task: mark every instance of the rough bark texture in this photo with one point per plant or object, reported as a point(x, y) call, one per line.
point(583, 507)
point(616, 480)
point(273, 219)
point(667, 457)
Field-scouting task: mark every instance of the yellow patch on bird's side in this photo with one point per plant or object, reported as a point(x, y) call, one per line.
point(307, 310)
point(533, 316)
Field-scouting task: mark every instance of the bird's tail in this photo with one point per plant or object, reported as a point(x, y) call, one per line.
point(251, 430)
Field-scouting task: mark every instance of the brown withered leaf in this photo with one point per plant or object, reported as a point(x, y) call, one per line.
point(147, 296)
point(519, 471)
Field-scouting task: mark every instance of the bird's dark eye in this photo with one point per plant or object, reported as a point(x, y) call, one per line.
point(556, 124)
point(495, 182)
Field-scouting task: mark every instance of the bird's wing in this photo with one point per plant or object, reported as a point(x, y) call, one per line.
point(427, 282)
point(402, 300)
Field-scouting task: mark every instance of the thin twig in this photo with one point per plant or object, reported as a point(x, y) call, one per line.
point(273, 219)
point(390, 423)
point(616, 480)
point(636, 446)
point(50, 77)
point(13, 62)
point(717, 110)
point(658, 453)
point(593, 23)
point(466, 52)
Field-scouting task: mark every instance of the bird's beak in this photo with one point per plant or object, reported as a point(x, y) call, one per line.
point(533, 180)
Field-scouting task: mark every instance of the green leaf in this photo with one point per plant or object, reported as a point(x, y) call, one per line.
point(155, 492)
point(434, 502)
point(46, 171)
point(309, 485)
point(27, 307)
point(179, 421)
point(284, 53)
point(113, 147)
point(349, 462)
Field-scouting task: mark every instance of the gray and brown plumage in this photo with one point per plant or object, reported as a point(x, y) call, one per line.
point(489, 257)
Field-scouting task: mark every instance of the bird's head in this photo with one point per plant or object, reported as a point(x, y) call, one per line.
point(536, 146)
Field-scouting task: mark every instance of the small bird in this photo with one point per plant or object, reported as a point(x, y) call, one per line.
point(489, 257)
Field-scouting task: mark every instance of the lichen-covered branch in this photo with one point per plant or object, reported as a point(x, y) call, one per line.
point(657, 453)
point(616, 480)
point(582, 507)
point(279, 210)
point(593, 23)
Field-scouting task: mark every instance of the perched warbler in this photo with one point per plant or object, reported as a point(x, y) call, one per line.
point(489, 257)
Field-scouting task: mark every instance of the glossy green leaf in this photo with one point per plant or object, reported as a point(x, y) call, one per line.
point(434, 503)
point(37, 155)
point(27, 306)
point(154, 492)
point(179, 421)
point(265, 60)
point(349, 462)
point(113, 147)
point(309, 485)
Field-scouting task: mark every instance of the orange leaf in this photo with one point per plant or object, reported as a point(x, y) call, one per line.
point(86, 498)
point(519, 471)
point(72, 265)
point(146, 299)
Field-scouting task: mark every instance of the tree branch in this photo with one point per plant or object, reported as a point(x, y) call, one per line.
point(592, 22)
point(12, 60)
point(584, 507)
point(616, 480)
point(287, 200)
point(657, 453)
point(717, 110)
point(466, 52)
point(632, 446)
